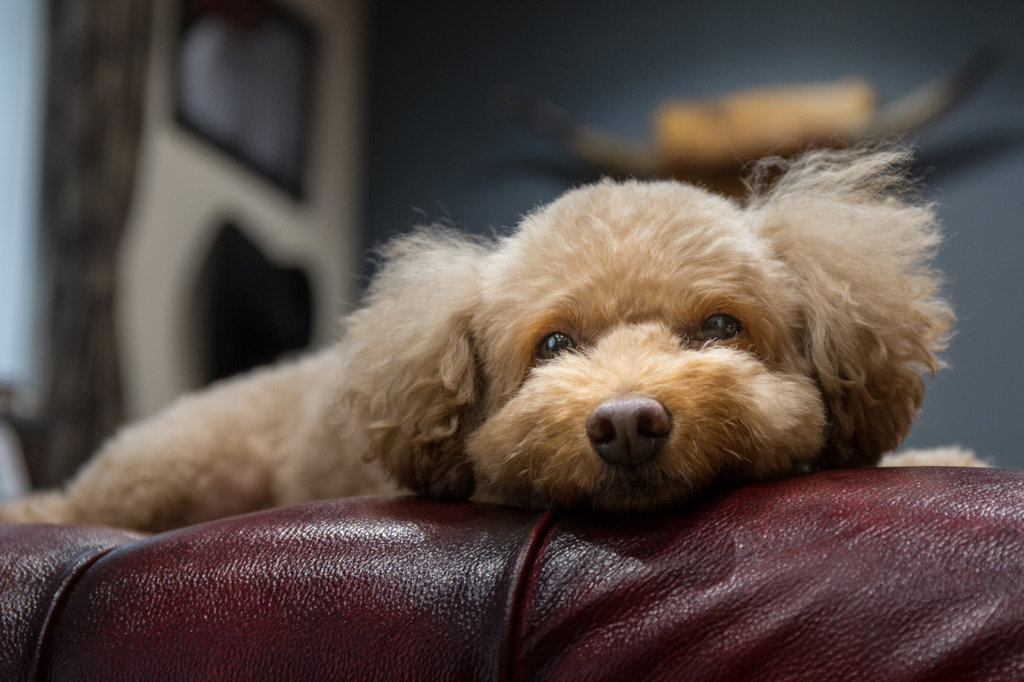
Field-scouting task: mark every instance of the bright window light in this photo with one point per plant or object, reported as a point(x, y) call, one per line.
point(21, 114)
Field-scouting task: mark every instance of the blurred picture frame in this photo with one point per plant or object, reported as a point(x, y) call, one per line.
point(243, 81)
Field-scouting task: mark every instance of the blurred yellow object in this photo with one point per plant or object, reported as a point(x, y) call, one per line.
point(749, 124)
point(708, 141)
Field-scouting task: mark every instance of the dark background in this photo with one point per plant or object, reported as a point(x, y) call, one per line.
point(439, 150)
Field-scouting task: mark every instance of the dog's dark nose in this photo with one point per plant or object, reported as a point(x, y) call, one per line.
point(628, 431)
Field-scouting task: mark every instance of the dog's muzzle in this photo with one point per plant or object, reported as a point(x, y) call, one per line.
point(628, 431)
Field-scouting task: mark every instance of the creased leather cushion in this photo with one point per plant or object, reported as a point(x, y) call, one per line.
point(869, 574)
point(38, 563)
point(356, 589)
point(884, 574)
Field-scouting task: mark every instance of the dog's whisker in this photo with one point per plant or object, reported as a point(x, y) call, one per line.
point(737, 455)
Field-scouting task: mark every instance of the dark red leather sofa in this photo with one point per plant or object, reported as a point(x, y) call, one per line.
point(882, 574)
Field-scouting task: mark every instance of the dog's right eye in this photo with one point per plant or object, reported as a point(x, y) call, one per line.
point(553, 345)
point(719, 328)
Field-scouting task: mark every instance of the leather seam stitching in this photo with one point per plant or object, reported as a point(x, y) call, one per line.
point(542, 531)
point(69, 577)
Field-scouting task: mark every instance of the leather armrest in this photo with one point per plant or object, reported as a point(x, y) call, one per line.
point(864, 574)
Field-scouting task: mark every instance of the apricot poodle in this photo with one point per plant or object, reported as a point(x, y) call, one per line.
point(628, 345)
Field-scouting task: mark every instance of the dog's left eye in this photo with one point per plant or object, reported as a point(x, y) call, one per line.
point(719, 328)
point(552, 345)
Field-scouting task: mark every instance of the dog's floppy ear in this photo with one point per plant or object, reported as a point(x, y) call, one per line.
point(410, 377)
point(860, 242)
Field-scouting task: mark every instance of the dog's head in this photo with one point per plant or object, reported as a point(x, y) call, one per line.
point(631, 343)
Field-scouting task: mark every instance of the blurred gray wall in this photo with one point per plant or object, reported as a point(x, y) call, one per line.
point(438, 149)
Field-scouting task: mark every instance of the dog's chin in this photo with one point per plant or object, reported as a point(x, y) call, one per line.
point(647, 487)
point(731, 417)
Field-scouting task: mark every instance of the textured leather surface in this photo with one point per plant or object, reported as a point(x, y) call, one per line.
point(887, 574)
point(37, 566)
point(358, 589)
point(882, 574)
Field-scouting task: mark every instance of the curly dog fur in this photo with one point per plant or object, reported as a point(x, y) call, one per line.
point(789, 333)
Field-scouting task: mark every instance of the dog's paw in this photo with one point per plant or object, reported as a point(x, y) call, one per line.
point(949, 456)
